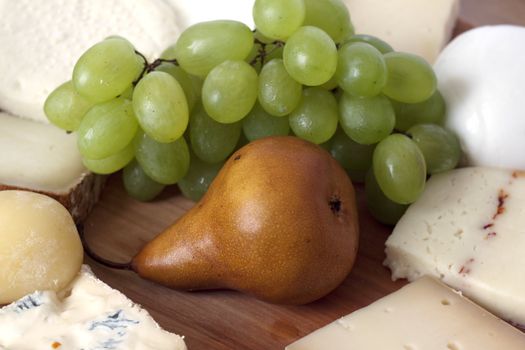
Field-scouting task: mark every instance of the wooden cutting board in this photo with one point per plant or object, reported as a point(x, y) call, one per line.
point(119, 226)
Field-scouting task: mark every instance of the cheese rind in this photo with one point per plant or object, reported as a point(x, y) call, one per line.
point(467, 229)
point(415, 26)
point(42, 40)
point(91, 316)
point(424, 315)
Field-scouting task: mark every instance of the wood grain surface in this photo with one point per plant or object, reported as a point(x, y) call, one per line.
point(119, 226)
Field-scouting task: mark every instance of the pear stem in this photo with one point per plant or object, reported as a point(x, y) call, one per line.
point(103, 261)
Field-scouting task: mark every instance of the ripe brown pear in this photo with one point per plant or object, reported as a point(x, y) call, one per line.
point(279, 222)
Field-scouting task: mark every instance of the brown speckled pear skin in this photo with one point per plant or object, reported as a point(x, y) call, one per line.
point(279, 222)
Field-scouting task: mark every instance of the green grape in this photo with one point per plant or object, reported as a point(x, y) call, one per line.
point(269, 52)
point(439, 146)
point(379, 44)
point(166, 163)
point(106, 129)
point(410, 78)
point(112, 163)
point(200, 176)
point(128, 93)
point(382, 209)
point(261, 37)
point(331, 16)
point(278, 19)
point(310, 56)
point(184, 80)
point(205, 45)
point(160, 105)
point(258, 124)
point(355, 158)
point(327, 146)
point(243, 141)
point(106, 69)
point(400, 169)
point(366, 120)
point(315, 119)
point(138, 184)
point(361, 70)
point(331, 84)
point(431, 111)
point(169, 53)
point(65, 107)
point(212, 141)
point(279, 93)
point(274, 51)
point(230, 91)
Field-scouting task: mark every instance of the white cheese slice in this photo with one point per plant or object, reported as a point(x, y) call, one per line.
point(415, 26)
point(90, 316)
point(424, 315)
point(42, 40)
point(38, 156)
point(481, 76)
point(468, 228)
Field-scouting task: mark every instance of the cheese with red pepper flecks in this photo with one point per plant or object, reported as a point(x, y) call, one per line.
point(468, 229)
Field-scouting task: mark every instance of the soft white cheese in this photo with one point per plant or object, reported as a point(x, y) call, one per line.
point(424, 315)
point(415, 26)
point(468, 228)
point(481, 75)
point(91, 316)
point(42, 40)
point(195, 11)
point(38, 156)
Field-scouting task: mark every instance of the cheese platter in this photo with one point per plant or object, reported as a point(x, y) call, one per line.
point(122, 234)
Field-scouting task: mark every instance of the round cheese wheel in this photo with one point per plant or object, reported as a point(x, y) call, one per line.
point(40, 248)
point(481, 75)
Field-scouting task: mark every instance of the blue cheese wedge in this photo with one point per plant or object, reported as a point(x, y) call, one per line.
point(468, 229)
point(90, 316)
point(424, 315)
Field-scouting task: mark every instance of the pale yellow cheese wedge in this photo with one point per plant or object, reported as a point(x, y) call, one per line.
point(422, 27)
point(424, 315)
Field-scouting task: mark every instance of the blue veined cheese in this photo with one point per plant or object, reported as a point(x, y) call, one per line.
point(91, 316)
point(42, 40)
point(424, 315)
point(468, 229)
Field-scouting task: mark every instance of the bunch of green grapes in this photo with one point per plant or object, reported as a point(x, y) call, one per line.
point(302, 71)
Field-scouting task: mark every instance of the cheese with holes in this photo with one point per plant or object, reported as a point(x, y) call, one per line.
point(424, 315)
point(89, 315)
point(419, 27)
point(42, 40)
point(468, 229)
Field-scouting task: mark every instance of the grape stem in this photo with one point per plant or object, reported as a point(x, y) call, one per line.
point(150, 67)
point(262, 53)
